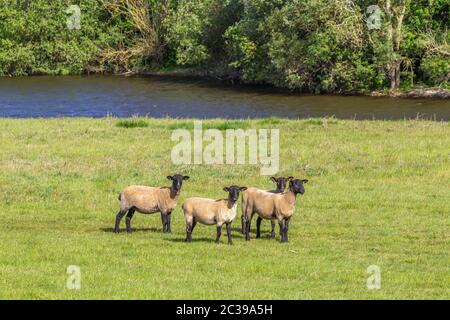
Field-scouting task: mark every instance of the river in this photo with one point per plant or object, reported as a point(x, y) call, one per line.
point(99, 96)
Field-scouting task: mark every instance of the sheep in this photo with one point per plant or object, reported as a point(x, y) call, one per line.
point(209, 212)
point(267, 205)
point(281, 186)
point(149, 200)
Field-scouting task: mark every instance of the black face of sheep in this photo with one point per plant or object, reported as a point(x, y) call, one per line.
point(233, 192)
point(281, 182)
point(296, 185)
point(177, 181)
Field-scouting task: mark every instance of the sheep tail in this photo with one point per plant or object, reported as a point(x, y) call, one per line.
point(120, 196)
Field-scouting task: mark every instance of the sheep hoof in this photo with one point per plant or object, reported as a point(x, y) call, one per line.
point(230, 243)
point(272, 236)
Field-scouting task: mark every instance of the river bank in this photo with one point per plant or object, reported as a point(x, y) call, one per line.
point(411, 93)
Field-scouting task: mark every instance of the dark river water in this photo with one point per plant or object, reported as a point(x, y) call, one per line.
point(99, 96)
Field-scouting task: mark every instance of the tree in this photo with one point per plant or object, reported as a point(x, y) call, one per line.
point(145, 35)
point(395, 13)
point(388, 39)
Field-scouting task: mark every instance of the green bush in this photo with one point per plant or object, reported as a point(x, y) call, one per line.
point(35, 38)
point(436, 70)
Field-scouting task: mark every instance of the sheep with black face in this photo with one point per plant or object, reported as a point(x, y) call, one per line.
point(148, 200)
point(212, 212)
point(279, 206)
point(251, 196)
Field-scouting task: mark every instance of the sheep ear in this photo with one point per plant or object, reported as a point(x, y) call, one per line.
point(226, 189)
point(170, 177)
point(273, 179)
point(243, 188)
point(185, 177)
point(290, 178)
point(305, 180)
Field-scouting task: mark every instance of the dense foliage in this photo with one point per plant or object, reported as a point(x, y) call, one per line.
point(316, 46)
point(34, 38)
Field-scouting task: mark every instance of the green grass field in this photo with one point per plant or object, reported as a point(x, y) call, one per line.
point(378, 194)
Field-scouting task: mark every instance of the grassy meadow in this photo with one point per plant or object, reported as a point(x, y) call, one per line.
point(378, 194)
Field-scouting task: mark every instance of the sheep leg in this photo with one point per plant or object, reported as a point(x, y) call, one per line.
point(190, 225)
point(189, 232)
point(258, 227)
point(247, 227)
point(128, 219)
point(219, 233)
point(246, 216)
point(169, 218)
point(164, 219)
point(194, 223)
point(282, 230)
point(272, 233)
point(230, 241)
point(118, 219)
point(287, 224)
point(286, 229)
point(243, 224)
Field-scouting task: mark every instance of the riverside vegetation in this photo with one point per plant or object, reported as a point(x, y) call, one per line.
point(318, 46)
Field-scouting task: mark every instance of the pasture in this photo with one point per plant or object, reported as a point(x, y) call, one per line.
point(378, 194)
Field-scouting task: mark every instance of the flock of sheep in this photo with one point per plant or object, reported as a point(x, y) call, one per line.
point(271, 205)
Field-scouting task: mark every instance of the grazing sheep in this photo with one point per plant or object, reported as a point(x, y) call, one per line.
point(149, 200)
point(269, 205)
point(210, 212)
point(281, 186)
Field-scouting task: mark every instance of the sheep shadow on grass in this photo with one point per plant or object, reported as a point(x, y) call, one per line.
point(183, 240)
point(152, 229)
point(252, 230)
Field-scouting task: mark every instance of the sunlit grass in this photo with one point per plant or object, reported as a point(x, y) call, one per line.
point(377, 195)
